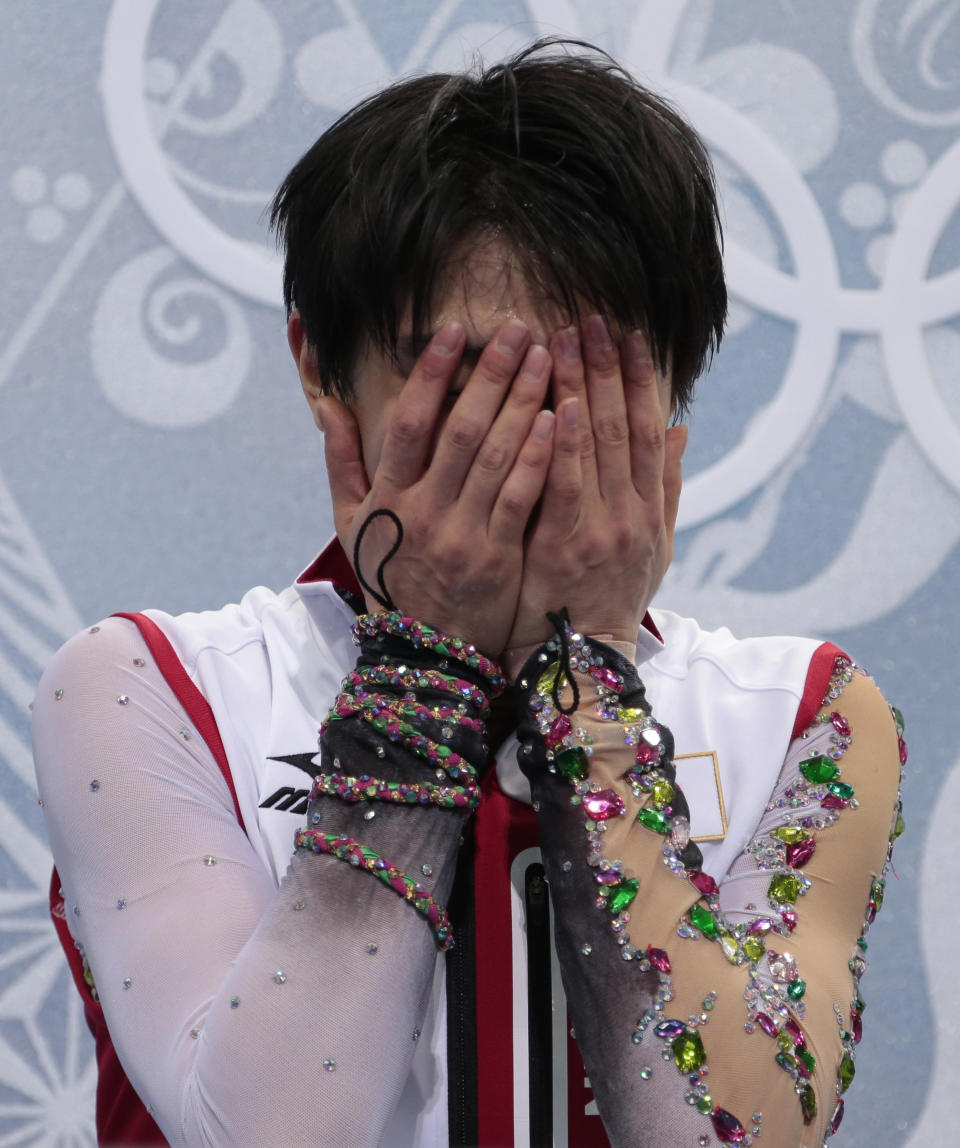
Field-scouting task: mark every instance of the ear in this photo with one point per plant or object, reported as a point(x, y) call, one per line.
point(306, 360)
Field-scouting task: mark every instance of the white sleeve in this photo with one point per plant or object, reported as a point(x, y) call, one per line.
point(224, 995)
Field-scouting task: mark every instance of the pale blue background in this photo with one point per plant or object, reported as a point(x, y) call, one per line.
point(155, 449)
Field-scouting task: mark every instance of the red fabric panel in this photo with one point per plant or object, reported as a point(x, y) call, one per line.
point(197, 707)
point(815, 688)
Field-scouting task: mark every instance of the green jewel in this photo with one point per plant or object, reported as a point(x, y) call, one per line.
point(705, 1104)
point(369, 854)
point(622, 895)
point(808, 1104)
point(819, 769)
point(729, 946)
point(862, 942)
point(662, 792)
point(876, 893)
point(784, 888)
point(898, 718)
point(630, 715)
point(552, 676)
point(784, 1041)
point(807, 1057)
point(790, 834)
point(898, 826)
point(847, 1073)
point(859, 1005)
point(796, 989)
point(841, 789)
point(754, 947)
point(704, 920)
point(572, 764)
point(688, 1051)
point(655, 820)
point(441, 648)
point(786, 1061)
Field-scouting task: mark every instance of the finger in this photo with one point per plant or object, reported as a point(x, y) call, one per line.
point(645, 416)
point(499, 451)
point(675, 443)
point(343, 452)
point(563, 491)
point(524, 484)
point(411, 429)
point(608, 411)
point(476, 408)
point(570, 382)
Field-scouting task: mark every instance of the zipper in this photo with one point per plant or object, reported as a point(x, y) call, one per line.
point(539, 1006)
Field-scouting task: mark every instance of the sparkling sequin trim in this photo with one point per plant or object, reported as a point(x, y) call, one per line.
point(363, 857)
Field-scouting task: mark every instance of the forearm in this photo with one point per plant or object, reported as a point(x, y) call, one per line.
point(627, 972)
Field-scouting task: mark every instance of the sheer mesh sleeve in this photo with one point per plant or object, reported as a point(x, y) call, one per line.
point(242, 1013)
point(708, 1015)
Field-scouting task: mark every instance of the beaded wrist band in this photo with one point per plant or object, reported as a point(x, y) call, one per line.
point(363, 857)
point(367, 788)
point(386, 674)
point(424, 636)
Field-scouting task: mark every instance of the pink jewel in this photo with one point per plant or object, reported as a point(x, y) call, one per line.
point(647, 754)
point(831, 801)
point(704, 882)
point(659, 959)
point(837, 1116)
point(790, 918)
point(856, 1026)
point(801, 852)
point(603, 805)
point(765, 1023)
point(728, 1128)
point(903, 761)
point(558, 731)
point(608, 877)
point(761, 925)
point(840, 724)
point(606, 677)
point(796, 1032)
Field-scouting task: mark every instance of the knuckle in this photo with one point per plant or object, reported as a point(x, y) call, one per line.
point(407, 426)
point(464, 433)
point(513, 503)
point(491, 458)
point(611, 430)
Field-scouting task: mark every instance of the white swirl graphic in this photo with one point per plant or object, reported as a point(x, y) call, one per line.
point(927, 22)
point(141, 382)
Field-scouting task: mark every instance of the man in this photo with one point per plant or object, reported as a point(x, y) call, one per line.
point(501, 288)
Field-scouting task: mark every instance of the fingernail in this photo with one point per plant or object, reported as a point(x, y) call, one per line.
point(448, 338)
point(536, 361)
point(569, 413)
point(543, 426)
point(637, 349)
point(597, 333)
point(512, 336)
point(568, 344)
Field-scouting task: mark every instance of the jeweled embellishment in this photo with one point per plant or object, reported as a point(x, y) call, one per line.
point(659, 959)
point(847, 1072)
point(552, 677)
point(606, 677)
point(799, 854)
point(688, 1052)
point(622, 895)
point(784, 888)
point(819, 770)
point(558, 731)
point(702, 919)
point(603, 805)
point(808, 1104)
point(668, 1029)
point(654, 819)
point(728, 1128)
point(572, 764)
point(662, 792)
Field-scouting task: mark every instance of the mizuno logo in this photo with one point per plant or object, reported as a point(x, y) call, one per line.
point(288, 799)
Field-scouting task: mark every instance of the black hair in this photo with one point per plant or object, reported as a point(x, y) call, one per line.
point(601, 188)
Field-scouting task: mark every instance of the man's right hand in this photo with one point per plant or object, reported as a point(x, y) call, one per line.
point(464, 509)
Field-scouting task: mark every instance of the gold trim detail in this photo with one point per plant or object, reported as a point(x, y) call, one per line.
point(716, 777)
